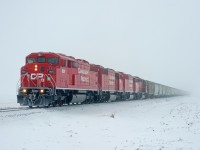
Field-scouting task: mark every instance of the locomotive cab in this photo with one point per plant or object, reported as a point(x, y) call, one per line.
point(38, 80)
point(39, 70)
point(42, 63)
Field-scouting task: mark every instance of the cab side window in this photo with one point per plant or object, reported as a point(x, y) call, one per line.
point(64, 63)
point(75, 65)
point(72, 64)
point(69, 64)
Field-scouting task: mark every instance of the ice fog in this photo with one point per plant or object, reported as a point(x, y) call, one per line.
point(155, 40)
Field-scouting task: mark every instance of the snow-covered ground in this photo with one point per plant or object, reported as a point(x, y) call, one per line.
point(169, 123)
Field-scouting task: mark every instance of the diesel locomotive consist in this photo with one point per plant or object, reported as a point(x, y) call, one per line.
point(55, 79)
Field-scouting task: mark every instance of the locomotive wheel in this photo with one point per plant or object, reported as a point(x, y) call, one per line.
point(60, 103)
point(54, 104)
point(68, 99)
point(89, 98)
point(96, 99)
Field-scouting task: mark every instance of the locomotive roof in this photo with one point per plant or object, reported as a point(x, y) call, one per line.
point(121, 72)
point(51, 53)
point(97, 66)
point(83, 61)
point(129, 75)
point(111, 69)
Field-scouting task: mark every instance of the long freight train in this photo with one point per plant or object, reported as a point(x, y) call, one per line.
point(55, 79)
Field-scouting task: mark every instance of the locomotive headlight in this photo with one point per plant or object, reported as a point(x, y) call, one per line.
point(36, 69)
point(42, 91)
point(24, 91)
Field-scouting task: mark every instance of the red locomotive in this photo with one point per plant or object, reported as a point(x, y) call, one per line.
point(56, 79)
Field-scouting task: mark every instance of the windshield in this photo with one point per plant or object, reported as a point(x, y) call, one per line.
point(41, 60)
point(31, 60)
point(53, 60)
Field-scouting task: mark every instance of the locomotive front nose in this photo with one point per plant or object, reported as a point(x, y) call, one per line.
point(34, 68)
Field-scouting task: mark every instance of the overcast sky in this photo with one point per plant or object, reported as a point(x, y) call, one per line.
point(158, 40)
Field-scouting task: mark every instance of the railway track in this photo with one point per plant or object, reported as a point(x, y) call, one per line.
point(9, 109)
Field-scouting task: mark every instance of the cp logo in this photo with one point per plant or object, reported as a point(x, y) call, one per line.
point(36, 76)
